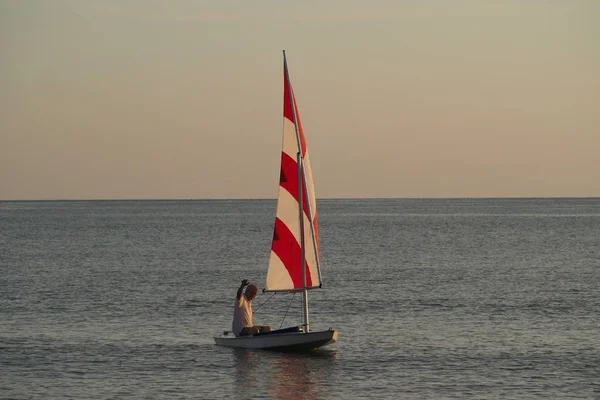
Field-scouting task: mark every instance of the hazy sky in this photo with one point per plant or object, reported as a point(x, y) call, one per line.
point(118, 99)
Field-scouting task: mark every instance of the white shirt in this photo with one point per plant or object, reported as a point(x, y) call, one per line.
point(242, 315)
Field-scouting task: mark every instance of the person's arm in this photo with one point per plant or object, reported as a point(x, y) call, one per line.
point(241, 289)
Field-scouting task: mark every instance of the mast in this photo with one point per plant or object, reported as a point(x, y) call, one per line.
point(301, 184)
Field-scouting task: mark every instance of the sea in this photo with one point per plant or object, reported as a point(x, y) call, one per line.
point(432, 298)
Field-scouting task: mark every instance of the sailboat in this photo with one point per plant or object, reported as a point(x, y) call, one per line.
point(294, 260)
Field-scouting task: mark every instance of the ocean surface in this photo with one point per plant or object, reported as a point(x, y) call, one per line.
point(434, 299)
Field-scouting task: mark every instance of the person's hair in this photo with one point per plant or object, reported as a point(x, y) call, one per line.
point(253, 287)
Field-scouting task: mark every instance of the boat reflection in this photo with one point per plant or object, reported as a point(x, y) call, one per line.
point(283, 375)
point(246, 377)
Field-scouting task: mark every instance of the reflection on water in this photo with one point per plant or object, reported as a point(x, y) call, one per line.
point(283, 375)
point(246, 377)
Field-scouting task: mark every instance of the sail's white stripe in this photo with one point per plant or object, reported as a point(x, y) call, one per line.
point(287, 212)
point(278, 277)
point(310, 187)
point(290, 143)
point(310, 254)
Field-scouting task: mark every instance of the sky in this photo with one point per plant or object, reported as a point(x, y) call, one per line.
point(182, 99)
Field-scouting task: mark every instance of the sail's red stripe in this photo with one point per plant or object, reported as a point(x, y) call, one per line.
point(287, 249)
point(300, 130)
point(287, 109)
point(287, 104)
point(288, 179)
point(316, 228)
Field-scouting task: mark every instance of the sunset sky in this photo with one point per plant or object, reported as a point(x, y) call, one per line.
point(154, 99)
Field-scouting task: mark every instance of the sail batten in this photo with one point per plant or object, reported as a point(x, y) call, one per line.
point(285, 271)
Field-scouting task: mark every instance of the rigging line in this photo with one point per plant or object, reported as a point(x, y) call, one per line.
point(286, 311)
point(265, 302)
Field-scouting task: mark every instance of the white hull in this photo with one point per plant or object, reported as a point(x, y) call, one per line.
point(293, 341)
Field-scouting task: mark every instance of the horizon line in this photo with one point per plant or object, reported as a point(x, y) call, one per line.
point(318, 198)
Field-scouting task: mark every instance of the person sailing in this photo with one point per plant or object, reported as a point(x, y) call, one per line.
point(242, 312)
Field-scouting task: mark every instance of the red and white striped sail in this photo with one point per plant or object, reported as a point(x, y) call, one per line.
point(285, 271)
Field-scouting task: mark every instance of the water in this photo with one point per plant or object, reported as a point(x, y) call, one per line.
point(434, 299)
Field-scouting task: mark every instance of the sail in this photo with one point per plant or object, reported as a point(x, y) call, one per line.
point(285, 270)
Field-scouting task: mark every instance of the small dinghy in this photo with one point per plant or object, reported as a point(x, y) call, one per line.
point(294, 261)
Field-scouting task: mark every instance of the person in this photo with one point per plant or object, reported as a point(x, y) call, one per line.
point(242, 312)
